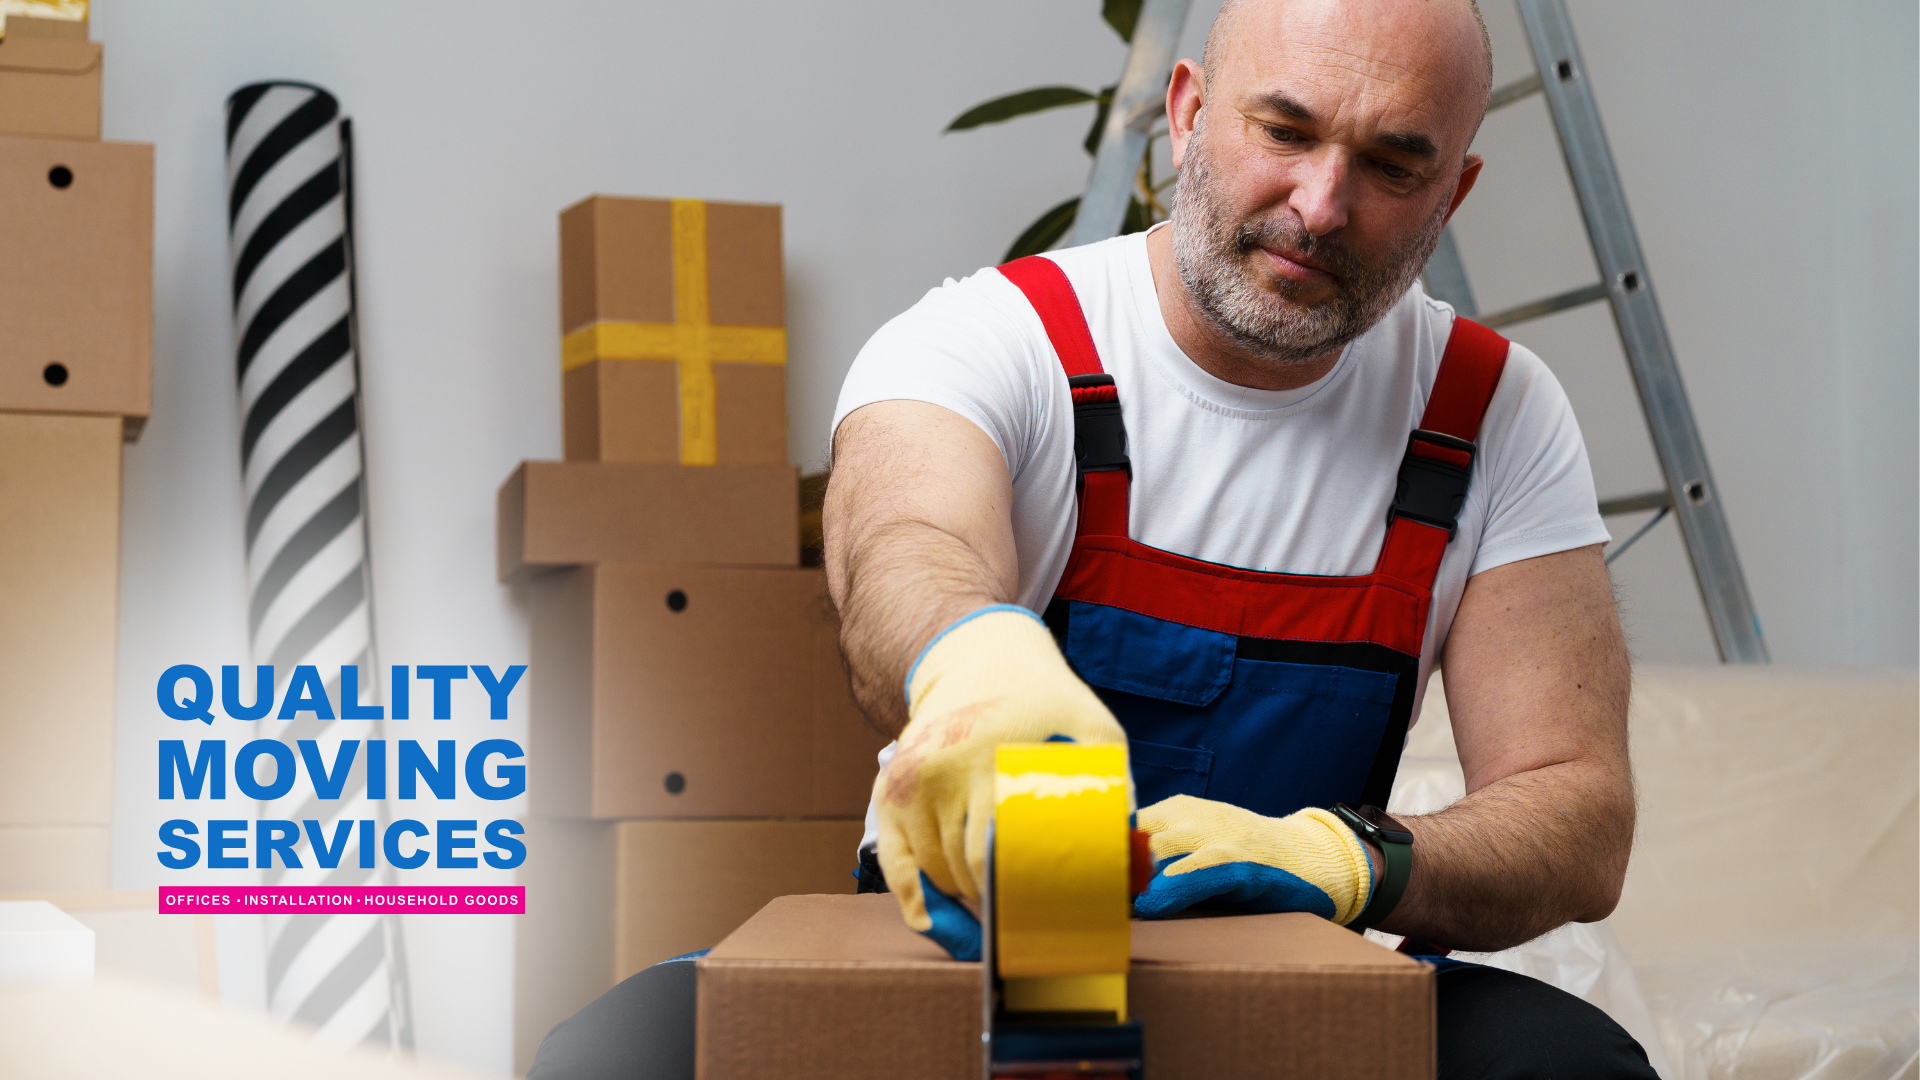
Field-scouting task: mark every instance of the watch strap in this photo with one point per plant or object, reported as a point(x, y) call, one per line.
point(1398, 860)
point(1388, 890)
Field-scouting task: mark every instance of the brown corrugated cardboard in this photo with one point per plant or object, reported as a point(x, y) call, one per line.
point(628, 410)
point(76, 283)
point(46, 858)
point(837, 986)
point(59, 597)
point(554, 514)
point(619, 265)
point(678, 691)
point(49, 79)
point(685, 885)
point(616, 263)
point(605, 899)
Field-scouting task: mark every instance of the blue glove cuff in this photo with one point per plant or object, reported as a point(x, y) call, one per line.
point(1239, 886)
point(954, 927)
point(955, 625)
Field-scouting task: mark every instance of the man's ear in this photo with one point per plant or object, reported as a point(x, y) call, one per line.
point(1186, 93)
point(1468, 177)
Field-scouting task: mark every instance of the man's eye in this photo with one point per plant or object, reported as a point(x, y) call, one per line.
point(1283, 135)
point(1394, 172)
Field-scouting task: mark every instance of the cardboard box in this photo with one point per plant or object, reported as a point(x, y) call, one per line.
point(606, 899)
point(824, 986)
point(681, 691)
point(554, 514)
point(49, 79)
point(55, 858)
point(673, 323)
point(59, 602)
point(76, 284)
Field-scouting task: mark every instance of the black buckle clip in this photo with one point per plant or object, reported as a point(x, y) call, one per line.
point(1099, 433)
point(1432, 491)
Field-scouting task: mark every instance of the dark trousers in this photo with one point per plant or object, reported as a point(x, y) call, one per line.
point(1493, 1025)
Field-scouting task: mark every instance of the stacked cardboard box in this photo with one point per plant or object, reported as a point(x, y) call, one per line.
point(76, 299)
point(694, 750)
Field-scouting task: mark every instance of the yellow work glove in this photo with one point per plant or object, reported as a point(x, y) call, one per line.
point(1214, 851)
point(993, 677)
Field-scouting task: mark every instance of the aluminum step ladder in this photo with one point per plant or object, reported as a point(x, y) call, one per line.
point(1690, 494)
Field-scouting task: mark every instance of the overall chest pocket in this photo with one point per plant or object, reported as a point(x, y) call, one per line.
point(1161, 680)
point(1271, 737)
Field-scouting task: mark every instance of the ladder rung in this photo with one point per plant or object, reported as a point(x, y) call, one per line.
point(1513, 91)
point(1629, 504)
point(1571, 299)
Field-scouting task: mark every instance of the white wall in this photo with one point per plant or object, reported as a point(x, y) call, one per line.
point(1770, 161)
point(1768, 152)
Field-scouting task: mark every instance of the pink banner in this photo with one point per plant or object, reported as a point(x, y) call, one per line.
point(299, 899)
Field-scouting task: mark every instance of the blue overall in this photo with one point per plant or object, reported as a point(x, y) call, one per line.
point(1269, 691)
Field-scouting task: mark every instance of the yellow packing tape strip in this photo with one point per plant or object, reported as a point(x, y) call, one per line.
point(691, 341)
point(1060, 856)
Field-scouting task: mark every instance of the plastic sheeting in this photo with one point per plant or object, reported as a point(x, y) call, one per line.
point(1823, 1010)
point(1774, 895)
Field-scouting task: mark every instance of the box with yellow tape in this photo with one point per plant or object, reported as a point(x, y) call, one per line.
point(49, 74)
point(673, 323)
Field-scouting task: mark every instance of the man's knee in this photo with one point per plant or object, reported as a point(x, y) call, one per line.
point(641, 1028)
point(1494, 1024)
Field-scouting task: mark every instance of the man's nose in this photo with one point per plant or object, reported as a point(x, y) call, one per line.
point(1320, 195)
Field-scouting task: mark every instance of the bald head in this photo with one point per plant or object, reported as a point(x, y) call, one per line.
point(1453, 31)
point(1321, 150)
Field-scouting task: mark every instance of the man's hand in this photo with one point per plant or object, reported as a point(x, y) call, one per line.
point(1207, 850)
point(994, 677)
point(921, 564)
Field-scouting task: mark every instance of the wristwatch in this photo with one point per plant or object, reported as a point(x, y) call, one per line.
point(1373, 825)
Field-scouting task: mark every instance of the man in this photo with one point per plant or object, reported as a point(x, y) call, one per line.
point(1228, 462)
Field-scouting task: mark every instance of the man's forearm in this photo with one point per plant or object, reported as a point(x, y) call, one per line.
point(899, 588)
point(918, 534)
point(1518, 858)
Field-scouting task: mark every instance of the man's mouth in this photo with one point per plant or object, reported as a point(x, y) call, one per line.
point(1295, 266)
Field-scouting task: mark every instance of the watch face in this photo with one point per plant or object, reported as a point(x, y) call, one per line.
point(1390, 830)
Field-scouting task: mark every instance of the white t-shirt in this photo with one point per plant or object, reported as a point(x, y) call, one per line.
point(1295, 481)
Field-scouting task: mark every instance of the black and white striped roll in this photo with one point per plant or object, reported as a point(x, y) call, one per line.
point(288, 189)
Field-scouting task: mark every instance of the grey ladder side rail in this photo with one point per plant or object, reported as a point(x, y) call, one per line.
point(1626, 283)
point(1138, 103)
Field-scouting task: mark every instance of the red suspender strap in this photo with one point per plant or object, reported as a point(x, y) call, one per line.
point(1099, 436)
point(1439, 460)
point(1051, 294)
point(1469, 371)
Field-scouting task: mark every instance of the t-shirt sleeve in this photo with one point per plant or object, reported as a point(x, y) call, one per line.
point(1538, 491)
point(969, 347)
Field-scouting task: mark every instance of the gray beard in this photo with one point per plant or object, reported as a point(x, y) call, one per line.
point(1256, 310)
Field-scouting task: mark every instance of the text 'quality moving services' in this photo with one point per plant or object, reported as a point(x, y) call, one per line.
point(492, 769)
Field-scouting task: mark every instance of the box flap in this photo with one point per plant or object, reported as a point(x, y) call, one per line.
point(862, 929)
point(1280, 941)
point(49, 25)
point(48, 56)
point(867, 929)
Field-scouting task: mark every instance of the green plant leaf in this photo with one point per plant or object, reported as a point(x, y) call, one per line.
point(1099, 120)
point(1121, 15)
point(1038, 99)
point(1045, 232)
point(1137, 219)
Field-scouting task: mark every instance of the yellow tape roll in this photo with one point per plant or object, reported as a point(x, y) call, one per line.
point(1060, 876)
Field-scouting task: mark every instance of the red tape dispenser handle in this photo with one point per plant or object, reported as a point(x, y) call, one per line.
point(1140, 863)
